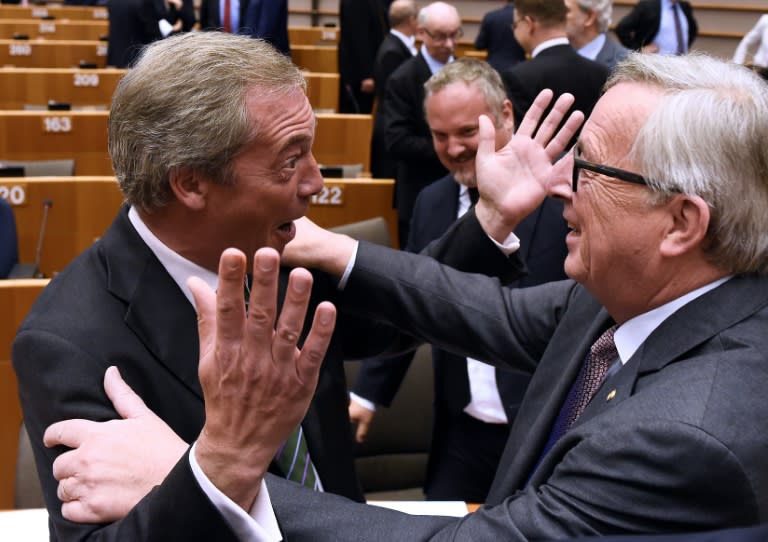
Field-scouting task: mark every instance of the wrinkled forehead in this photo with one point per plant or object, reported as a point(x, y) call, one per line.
point(618, 117)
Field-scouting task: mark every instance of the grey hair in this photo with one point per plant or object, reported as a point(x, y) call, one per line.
point(603, 11)
point(709, 138)
point(472, 72)
point(183, 105)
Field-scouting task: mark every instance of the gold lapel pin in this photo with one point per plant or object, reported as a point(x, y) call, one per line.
point(611, 395)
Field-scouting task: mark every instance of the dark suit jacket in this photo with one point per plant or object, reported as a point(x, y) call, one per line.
point(561, 69)
point(542, 241)
point(116, 304)
point(640, 26)
point(363, 26)
point(749, 534)
point(268, 20)
point(496, 36)
point(132, 25)
point(392, 52)
point(407, 135)
point(210, 16)
point(611, 53)
point(679, 447)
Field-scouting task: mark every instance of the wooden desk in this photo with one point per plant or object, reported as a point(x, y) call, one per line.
point(351, 200)
point(82, 135)
point(84, 207)
point(316, 58)
point(37, 53)
point(49, 135)
point(323, 90)
point(313, 35)
point(82, 13)
point(16, 297)
point(54, 29)
point(20, 87)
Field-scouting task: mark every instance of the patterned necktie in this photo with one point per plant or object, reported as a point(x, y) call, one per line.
point(293, 456)
point(596, 363)
point(681, 43)
point(293, 459)
point(227, 16)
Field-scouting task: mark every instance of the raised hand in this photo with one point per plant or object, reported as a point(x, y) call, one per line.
point(257, 383)
point(512, 181)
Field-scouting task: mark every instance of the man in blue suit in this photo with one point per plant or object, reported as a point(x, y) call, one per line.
point(474, 403)
point(268, 20)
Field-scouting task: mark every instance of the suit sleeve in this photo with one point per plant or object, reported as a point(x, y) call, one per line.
point(404, 119)
point(481, 41)
point(176, 510)
point(632, 30)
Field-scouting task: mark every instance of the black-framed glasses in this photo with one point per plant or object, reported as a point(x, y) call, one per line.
point(616, 173)
point(440, 37)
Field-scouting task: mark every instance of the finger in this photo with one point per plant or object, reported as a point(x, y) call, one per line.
point(554, 117)
point(230, 303)
point(562, 139)
point(292, 315)
point(124, 399)
point(70, 433)
point(61, 491)
point(316, 343)
point(262, 306)
point(79, 512)
point(530, 121)
point(486, 145)
point(361, 433)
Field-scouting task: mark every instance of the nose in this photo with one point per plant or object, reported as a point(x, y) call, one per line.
point(455, 147)
point(559, 184)
point(311, 182)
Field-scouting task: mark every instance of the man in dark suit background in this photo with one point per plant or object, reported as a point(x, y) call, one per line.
point(363, 25)
point(406, 134)
point(495, 36)
point(540, 29)
point(659, 26)
point(670, 439)
point(474, 403)
point(397, 47)
point(132, 25)
point(586, 24)
point(268, 20)
point(212, 15)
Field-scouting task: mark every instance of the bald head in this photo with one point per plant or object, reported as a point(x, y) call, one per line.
point(439, 28)
point(439, 13)
point(401, 12)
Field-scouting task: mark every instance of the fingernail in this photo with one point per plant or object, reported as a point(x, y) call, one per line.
point(265, 264)
point(299, 286)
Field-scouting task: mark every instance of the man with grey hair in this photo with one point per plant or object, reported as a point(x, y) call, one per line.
point(587, 23)
point(406, 134)
point(657, 427)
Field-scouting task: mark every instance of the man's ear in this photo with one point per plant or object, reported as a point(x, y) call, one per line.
point(189, 187)
point(688, 227)
point(591, 18)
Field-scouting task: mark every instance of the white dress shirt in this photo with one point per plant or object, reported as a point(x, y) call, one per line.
point(666, 38)
point(547, 44)
point(593, 48)
point(408, 41)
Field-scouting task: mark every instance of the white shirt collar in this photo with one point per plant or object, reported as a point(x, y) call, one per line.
point(632, 333)
point(592, 49)
point(408, 41)
point(434, 65)
point(549, 43)
point(176, 265)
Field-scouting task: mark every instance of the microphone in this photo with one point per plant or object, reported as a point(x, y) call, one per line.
point(32, 270)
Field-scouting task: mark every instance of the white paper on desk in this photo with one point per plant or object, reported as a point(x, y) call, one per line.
point(24, 525)
point(426, 508)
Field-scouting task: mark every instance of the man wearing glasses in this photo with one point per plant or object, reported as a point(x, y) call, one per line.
point(646, 410)
point(406, 133)
point(540, 28)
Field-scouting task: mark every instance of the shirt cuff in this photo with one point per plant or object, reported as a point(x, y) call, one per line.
point(260, 525)
point(165, 27)
point(510, 245)
point(348, 269)
point(363, 402)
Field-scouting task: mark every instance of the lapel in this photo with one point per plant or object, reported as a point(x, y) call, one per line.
point(156, 309)
point(697, 322)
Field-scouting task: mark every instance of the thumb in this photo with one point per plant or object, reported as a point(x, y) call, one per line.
point(486, 146)
point(124, 399)
point(362, 431)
